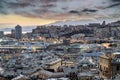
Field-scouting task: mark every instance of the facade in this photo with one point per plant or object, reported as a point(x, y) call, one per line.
point(13, 33)
point(18, 32)
point(1, 34)
point(109, 65)
point(78, 36)
point(44, 74)
point(54, 64)
point(66, 42)
point(104, 66)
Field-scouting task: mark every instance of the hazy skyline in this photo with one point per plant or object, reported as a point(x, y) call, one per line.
point(41, 12)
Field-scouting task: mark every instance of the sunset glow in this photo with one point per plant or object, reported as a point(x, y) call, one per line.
point(24, 21)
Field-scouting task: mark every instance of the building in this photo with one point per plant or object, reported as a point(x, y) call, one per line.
point(1, 34)
point(104, 23)
point(13, 33)
point(109, 65)
point(66, 41)
point(53, 63)
point(78, 36)
point(18, 32)
point(86, 64)
point(44, 74)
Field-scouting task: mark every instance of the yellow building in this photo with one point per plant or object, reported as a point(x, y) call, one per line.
point(54, 64)
point(109, 65)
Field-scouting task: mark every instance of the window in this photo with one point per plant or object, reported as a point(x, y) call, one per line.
point(117, 68)
point(72, 67)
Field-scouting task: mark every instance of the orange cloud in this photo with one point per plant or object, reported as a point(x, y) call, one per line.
point(24, 21)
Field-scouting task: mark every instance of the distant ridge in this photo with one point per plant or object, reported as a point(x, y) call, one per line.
point(79, 22)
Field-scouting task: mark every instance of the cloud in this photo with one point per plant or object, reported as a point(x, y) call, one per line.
point(115, 0)
point(59, 9)
point(74, 12)
point(2, 7)
point(83, 12)
point(89, 10)
point(18, 5)
point(113, 5)
point(48, 5)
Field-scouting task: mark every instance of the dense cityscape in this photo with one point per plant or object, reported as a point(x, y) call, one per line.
point(69, 52)
point(59, 39)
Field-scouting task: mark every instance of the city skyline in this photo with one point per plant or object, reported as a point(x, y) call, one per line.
point(42, 12)
point(59, 39)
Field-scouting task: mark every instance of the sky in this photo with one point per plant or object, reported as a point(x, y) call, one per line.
point(42, 12)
